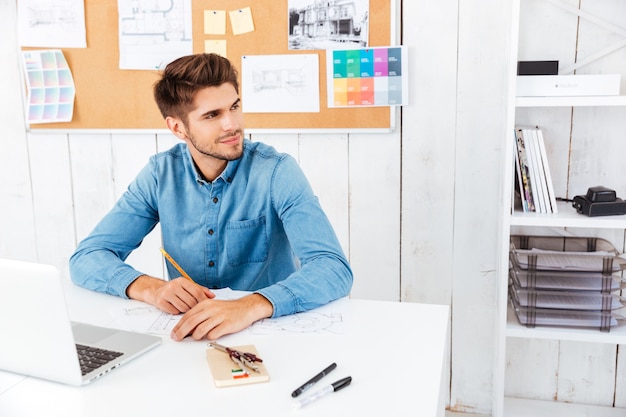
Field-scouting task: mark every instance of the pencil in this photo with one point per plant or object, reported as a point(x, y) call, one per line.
point(178, 268)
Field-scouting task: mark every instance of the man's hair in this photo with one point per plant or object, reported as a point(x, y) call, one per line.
point(182, 78)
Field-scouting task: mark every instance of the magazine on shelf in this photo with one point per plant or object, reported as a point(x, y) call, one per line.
point(526, 192)
point(533, 171)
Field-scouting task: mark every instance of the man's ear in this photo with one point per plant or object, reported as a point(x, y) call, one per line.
point(176, 126)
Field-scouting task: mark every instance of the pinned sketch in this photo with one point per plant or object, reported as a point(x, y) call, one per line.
point(280, 83)
point(51, 23)
point(50, 87)
point(153, 34)
point(329, 24)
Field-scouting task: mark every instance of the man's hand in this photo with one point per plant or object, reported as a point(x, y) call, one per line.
point(176, 296)
point(215, 318)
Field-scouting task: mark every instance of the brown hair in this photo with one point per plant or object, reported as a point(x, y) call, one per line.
point(183, 77)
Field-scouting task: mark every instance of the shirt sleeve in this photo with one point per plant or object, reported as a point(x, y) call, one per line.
point(325, 274)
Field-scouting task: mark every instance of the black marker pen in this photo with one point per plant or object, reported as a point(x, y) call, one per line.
point(334, 387)
point(313, 380)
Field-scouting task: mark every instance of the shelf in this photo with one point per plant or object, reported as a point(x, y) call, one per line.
point(569, 101)
point(567, 217)
point(617, 335)
point(517, 407)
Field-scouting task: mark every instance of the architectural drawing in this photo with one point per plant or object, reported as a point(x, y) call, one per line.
point(292, 80)
point(280, 83)
point(45, 23)
point(153, 33)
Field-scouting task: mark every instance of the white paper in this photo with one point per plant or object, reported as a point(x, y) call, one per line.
point(280, 83)
point(51, 23)
point(153, 34)
point(145, 318)
point(327, 319)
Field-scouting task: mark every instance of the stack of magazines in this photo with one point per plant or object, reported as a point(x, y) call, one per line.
point(532, 171)
point(565, 281)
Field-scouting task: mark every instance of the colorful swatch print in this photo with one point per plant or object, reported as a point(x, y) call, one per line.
point(368, 77)
point(238, 373)
point(51, 89)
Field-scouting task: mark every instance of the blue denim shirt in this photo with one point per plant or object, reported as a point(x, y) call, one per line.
point(257, 227)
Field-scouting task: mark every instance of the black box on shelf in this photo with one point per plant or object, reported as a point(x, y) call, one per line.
point(537, 67)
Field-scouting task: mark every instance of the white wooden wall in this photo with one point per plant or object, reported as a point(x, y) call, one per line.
point(586, 147)
point(416, 209)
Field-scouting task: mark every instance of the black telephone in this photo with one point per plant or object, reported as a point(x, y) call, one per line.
point(599, 201)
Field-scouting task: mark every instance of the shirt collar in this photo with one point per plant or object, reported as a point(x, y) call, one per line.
point(227, 174)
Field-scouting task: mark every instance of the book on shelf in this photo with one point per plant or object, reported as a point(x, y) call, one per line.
point(528, 204)
point(546, 169)
point(533, 171)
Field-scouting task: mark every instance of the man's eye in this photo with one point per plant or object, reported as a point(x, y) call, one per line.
point(235, 106)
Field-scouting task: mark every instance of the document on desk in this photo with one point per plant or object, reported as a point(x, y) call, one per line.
point(328, 319)
point(146, 318)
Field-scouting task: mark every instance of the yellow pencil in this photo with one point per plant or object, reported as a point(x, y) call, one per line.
point(173, 262)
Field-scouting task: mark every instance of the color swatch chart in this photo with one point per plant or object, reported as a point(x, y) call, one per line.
point(50, 87)
point(367, 77)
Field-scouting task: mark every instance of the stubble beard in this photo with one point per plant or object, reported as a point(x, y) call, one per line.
point(235, 153)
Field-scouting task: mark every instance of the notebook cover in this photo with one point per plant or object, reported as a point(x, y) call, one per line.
point(226, 373)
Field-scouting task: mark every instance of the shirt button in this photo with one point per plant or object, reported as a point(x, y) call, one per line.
point(211, 232)
point(211, 263)
point(215, 199)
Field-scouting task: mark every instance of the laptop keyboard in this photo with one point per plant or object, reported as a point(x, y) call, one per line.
point(91, 358)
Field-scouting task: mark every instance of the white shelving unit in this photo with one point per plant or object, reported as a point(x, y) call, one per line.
point(567, 219)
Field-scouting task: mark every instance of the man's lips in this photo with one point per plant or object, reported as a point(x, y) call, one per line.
point(229, 140)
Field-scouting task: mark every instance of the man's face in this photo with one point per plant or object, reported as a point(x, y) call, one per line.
point(214, 131)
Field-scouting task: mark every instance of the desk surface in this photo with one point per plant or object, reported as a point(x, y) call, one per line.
point(393, 351)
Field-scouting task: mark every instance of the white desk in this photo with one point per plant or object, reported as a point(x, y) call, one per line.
point(393, 351)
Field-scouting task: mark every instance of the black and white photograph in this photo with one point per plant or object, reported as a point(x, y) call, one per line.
point(317, 24)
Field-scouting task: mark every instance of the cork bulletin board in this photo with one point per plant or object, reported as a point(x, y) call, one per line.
point(110, 98)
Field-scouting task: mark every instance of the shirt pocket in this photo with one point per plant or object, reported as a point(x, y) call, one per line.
point(246, 241)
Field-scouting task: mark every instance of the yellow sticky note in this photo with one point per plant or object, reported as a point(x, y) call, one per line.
point(241, 20)
point(215, 47)
point(214, 22)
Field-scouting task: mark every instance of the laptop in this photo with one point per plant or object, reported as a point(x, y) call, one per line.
point(38, 338)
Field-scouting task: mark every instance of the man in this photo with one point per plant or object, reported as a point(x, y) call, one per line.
point(233, 213)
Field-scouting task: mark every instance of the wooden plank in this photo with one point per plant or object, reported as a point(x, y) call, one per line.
point(587, 373)
point(130, 154)
point(92, 180)
point(322, 158)
point(286, 142)
point(52, 196)
point(525, 365)
point(375, 215)
point(427, 171)
point(16, 211)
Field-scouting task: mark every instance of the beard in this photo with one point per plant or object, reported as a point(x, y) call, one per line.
point(230, 155)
